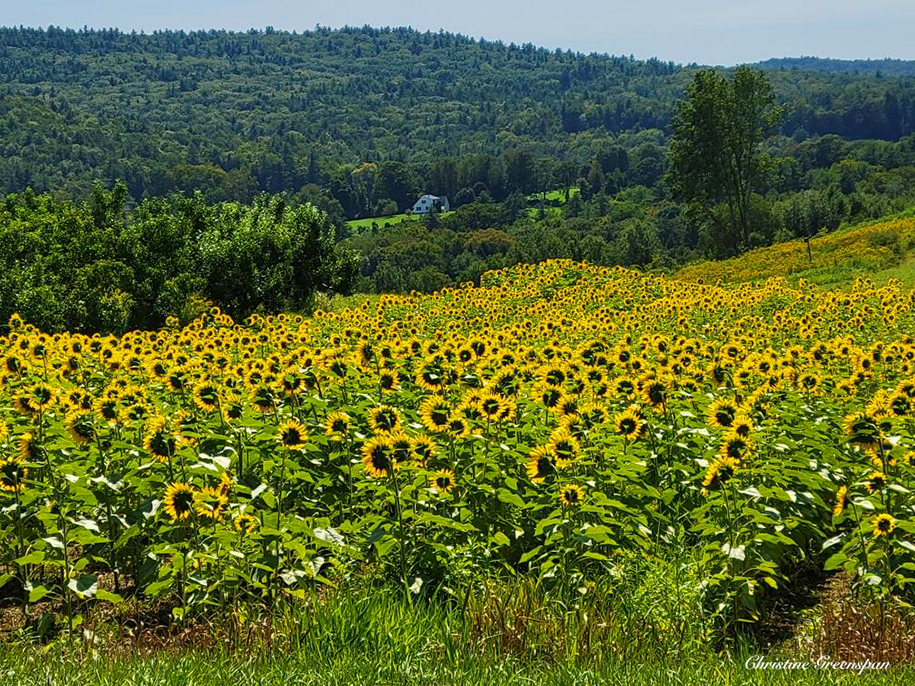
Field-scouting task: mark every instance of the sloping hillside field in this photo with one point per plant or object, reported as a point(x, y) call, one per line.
point(834, 258)
point(551, 423)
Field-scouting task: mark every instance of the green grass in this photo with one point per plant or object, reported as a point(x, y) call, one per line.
point(367, 222)
point(342, 665)
point(904, 272)
point(393, 220)
point(556, 195)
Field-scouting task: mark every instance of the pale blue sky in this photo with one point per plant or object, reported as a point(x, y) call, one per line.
point(704, 31)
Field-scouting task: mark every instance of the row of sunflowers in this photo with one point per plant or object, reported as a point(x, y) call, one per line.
point(544, 423)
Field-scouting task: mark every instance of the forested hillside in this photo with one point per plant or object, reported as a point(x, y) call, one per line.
point(884, 67)
point(232, 114)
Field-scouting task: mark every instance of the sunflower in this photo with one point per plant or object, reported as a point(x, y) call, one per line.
point(458, 427)
point(377, 456)
point(899, 404)
point(41, 395)
point(225, 484)
point(13, 474)
point(570, 495)
point(24, 405)
point(232, 408)
point(506, 383)
point(876, 481)
point(137, 412)
point(541, 463)
point(720, 471)
point(384, 418)
point(432, 376)
point(655, 393)
point(264, 399)
point(593, 415)
point(553, 374)
point(106, 409)
point(206, 396)
point(627, 424)
point(808, 382)
point(721, 414)
point(551, 396)
point(78, 424)
point(742, 425)
point(401, 447)
point(423, 449)
point(841, 501)
point(179, 501)
point(883, 525)
point(735, 446)
point(624, 387)
point(491, 406)
point(209, 503)
point(443, 480)
point(469, 408)
point(388, 380)
point(862, 429)
point(28, 449)
point(292, 435)
point(4, 430)
point(158, 440)
point(567, 407)
point(245, 524)
point(291, 383)
point(565, 447)
point(435, 413)
point(177, 380)
point(336, 426)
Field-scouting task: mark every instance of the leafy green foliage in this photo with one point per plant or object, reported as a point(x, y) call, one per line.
point(101, 267)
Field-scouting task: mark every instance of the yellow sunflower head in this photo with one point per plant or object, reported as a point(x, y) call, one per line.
point(443, 481)
point(336, 426)
point(384, 418)
point(720, 471)
point(570, 495)
point(179, 501)
point(209, 503)
point(245, 524)
point(883, 525)
point(292, 435)
point(378, 456)
point(13, 474)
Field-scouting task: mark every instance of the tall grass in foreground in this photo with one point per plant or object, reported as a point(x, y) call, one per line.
point(377, 637)
point(640, 628)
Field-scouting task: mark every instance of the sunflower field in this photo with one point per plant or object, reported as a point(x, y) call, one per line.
point(547, 423)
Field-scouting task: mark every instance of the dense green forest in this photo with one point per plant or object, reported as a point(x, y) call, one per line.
point(542, 154)
point(234, 114)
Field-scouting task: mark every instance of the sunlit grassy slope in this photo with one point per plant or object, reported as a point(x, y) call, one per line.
point(880, 250)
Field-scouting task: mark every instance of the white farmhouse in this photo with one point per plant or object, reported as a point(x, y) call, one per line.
point(425, 204)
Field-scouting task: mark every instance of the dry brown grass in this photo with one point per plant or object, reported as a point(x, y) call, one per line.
point(847, 627)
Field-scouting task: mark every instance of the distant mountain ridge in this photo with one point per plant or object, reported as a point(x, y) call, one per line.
point(884, 67)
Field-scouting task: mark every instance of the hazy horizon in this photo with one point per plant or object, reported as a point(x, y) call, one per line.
point(717, 32)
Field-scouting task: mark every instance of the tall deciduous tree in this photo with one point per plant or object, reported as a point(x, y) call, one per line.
point(715, 150)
